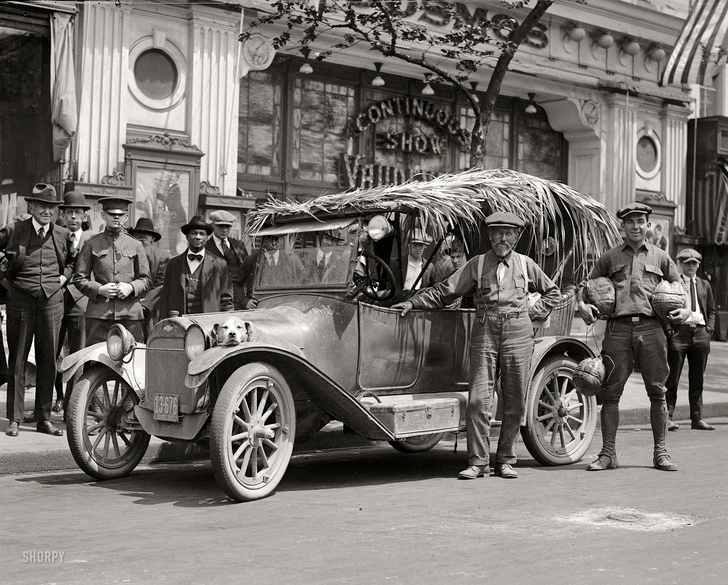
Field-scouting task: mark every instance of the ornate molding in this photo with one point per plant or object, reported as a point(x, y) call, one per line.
point(163, 141)
point(115, 178)
point(207, 189)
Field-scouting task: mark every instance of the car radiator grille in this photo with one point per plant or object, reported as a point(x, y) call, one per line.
point(166, 370)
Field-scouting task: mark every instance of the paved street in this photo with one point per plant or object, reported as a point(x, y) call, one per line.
point(372, 515)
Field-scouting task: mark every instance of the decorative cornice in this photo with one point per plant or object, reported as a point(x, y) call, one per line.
point(207, 189)
point(163, 141)
point(115, 178)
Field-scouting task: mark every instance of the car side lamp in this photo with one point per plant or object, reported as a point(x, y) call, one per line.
point(119, 342)
point(379, 228)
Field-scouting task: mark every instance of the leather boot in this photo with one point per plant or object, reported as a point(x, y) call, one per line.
point(608, 455)
point(658, 419)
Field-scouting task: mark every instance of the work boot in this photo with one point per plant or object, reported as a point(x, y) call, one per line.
point(602, 463)
point(658, 420)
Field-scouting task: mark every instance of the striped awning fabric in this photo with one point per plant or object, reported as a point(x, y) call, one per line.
point(695, 54)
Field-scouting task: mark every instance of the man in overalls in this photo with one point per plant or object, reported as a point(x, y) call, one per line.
point(501, 340)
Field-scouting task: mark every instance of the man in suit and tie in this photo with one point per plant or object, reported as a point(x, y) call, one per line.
point(691, 340)
point(328, 264)
point(39, 264)
point(196, 281)
point(279, 268)
point(144, 232)
point(231, 250)
point(73, 210)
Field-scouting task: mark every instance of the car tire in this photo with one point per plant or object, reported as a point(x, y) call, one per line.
point(417, 444)
point(104, 437)
point(560, 420)
point(255, 400)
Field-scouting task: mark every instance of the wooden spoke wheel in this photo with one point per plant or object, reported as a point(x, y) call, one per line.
point(417, 444)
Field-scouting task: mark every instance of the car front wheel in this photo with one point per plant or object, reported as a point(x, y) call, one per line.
point(417, 444)
point(104, 436)
point(560, 420)
point(252, 432)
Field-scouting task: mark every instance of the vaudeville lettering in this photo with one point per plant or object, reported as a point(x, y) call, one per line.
point(354, 173)
point(416, 108)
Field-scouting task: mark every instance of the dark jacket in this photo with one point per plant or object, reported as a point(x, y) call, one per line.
point(705, 301)
point(158, 260)
point(217, 290)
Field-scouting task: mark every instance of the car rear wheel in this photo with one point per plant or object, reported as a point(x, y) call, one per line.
point(104, 436)
point(560, 420)
point(417, 444)
point(252, 432)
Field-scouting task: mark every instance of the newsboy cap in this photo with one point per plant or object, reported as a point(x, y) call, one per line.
point(632, 209)
point(689, 255)
point(115, 204)
point(196, 223)
point(44, 193)
point(74, 200)
point(222, 217)
point(504, 219)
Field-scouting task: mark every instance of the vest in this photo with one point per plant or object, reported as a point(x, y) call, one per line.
point(194, 290)
point(40, 271)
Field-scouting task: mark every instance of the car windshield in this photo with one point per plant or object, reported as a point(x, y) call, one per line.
point(307, 256)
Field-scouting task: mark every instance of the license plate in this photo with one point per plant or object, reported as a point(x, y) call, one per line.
point(166, 407)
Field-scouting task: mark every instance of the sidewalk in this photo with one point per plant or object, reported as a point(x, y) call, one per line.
point(31, 451)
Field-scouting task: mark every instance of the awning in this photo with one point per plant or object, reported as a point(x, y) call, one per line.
point(695, 55)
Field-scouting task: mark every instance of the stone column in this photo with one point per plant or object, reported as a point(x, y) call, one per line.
point(674, 154)
point(103, 64)
point(215, 93)
point(619, 151)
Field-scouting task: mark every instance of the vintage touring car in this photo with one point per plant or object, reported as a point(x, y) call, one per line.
point(323, 346)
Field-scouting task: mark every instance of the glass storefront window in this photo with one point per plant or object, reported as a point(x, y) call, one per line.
point(497, 142)
point(539, 148)
point(321, 112)
point(260, 124)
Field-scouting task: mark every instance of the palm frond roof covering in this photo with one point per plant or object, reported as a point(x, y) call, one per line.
point(576, 224)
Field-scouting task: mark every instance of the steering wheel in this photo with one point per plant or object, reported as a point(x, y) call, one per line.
point(373, 286)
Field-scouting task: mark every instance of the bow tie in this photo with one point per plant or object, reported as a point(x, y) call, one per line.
point(193, 257)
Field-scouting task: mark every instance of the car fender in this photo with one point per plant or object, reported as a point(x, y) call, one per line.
point(299, 372)
point(130, 369)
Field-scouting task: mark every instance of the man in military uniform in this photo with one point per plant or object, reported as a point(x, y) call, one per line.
point(502, 337)
point(633, 333)
point(39, 262)
point(144, 232)
point(113, 272)
point(231, 250)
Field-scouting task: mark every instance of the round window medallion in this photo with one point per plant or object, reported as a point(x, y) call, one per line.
point(155, 73)
point(647, 155)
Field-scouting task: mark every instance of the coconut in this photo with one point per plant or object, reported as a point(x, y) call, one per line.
point(589, 376)
point(600, 293)
point(667, 297)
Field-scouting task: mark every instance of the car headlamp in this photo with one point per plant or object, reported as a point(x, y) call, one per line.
point(119, 342)
point(379, 228)
point(196, 341)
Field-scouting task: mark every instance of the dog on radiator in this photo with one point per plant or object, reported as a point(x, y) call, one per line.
point(234, 331)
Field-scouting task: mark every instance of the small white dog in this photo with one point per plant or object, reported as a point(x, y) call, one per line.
point(232, 331)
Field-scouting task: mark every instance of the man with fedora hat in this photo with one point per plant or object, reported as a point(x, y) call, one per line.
point(196, 281)
point(231, 250)
point(144, 232)
point(113, 272)
point(328, 261)
point(40, 262)
point(73, 211)
point(691, 339)
point(501, 338)
point(414, 278)
point(633, 333)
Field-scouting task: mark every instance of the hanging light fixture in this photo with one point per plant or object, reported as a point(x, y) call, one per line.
point(427, 90)
point(378, 81)
point(531, 107)
point(474, 85)
point(306, 68)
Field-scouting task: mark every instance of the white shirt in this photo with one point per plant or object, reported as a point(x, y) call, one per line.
point(321, 254)
point(193, 264)
point(696, 316)
point(37, 226)
point(76, 238)
point(413, 271)
point(272, 256)
point(218, 243)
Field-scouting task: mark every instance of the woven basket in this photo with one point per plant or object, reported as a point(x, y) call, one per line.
point(600, 293)
point(589, 376)
point(667, 297)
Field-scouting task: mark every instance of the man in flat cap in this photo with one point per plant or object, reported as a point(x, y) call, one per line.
point(39, 264)
point(633, 333)
point(691, 339)
point(196, 281)
point(501, 339)
point(144, 232)
point(113, 272)
point(73, 210)
point(231, 250)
